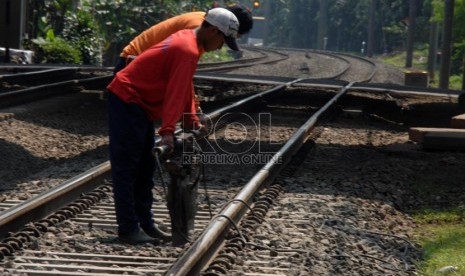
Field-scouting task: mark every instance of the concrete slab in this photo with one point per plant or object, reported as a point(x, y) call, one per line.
point(417, 134)
point(444, 141)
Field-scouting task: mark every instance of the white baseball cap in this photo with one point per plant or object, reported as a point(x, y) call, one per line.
point(227, 23)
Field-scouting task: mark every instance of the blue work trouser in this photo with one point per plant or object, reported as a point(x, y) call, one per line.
point(132, 164)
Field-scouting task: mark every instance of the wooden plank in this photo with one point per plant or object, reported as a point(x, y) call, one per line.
point(116, 258)
point(92, 269)
point(416, 134)
point(458, 121)
point(32, 272)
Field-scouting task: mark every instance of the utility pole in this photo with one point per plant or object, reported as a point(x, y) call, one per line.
point(446, 44)
point(371, 28)
point(7, 58)
point(432, 50)
point(322, 24)
point(411, 29)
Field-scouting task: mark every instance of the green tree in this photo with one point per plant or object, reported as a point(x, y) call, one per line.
point(293, 23)
point(458, 31)
point(121, 20)
point(97, 26)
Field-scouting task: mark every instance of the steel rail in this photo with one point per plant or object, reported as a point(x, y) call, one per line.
point(334, 55)
point(206, 65)
point(338, 56)
point(211, 239)
point(35, 67)
point(370, 77)
point(379, 87)
point(384, 88)
point(223, 66)
point(34, 75)
point(45, 203)
point(251, 100)
point(10, 98)
point(334, 84)
point(271, 80)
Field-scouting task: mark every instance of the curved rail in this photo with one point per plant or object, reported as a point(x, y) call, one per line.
point(339, 56)
point(373, 72)
point(261, 56)
point(240, 63)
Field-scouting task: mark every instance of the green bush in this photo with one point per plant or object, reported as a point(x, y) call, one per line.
point(82, 31)
point(55, 50)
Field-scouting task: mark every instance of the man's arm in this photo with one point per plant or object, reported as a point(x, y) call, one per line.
point(178, 94)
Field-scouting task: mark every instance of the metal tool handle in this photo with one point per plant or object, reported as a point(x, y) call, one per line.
point(161, 150)
point(196, 133)
point(178, 143)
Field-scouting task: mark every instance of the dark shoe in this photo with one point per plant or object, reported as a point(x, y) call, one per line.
point(136, 237)
point(179, 240)
point(154, 232)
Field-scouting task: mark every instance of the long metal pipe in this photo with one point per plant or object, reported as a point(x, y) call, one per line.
point(192, 262)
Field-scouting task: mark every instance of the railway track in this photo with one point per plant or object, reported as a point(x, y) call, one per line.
point(163, 213)
point(70, 240)
point(79, 239)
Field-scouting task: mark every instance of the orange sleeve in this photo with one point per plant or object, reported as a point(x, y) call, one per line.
point(159, 32)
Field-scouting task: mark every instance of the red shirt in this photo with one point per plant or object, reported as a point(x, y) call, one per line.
point(160, 80)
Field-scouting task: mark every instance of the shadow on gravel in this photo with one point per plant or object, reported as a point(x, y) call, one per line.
point(84, 114)
point(16, 163)
point(402, 175)
point(19, 166)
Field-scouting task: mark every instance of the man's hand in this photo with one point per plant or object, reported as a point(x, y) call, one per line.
point(203, 130)
point(168, 141)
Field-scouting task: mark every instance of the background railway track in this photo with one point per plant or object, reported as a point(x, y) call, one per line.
point(66, 248)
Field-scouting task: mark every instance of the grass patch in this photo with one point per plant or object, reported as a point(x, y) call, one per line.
point(455, 82)
point(450, 216)
point(440, 231)
point(443, 245)
point(420, 62)
point(220, 55)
